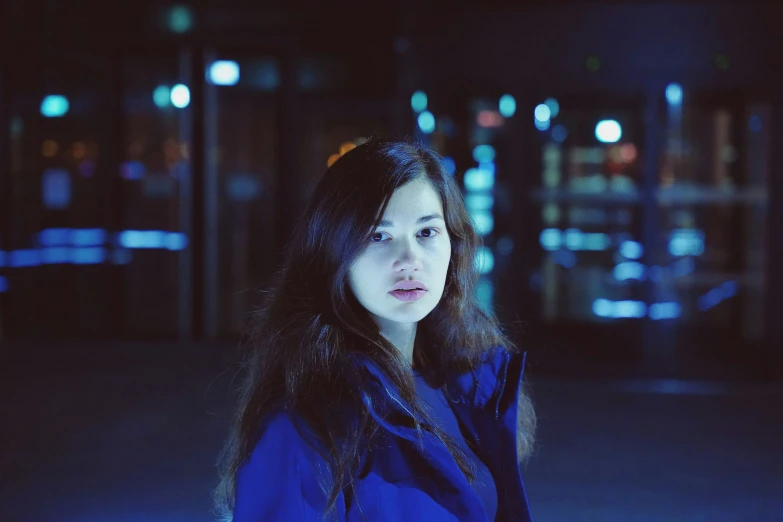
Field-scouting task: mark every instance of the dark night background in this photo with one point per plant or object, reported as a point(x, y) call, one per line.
point(623, 163)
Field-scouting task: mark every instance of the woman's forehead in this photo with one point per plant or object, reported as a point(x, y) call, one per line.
point(413, 201)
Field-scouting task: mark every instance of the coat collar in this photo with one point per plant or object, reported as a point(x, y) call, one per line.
point(481, 387)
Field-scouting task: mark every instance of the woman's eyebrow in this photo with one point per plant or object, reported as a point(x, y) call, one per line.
point(423, 219)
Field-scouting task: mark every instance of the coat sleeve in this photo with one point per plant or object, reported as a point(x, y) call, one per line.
point(283, 479)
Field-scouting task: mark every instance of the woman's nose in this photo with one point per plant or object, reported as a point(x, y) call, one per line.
point(409, 256)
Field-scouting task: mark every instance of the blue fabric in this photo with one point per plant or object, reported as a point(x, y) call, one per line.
point(408, 478)
point(444, 416)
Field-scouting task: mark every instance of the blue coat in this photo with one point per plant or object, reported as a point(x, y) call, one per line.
point(411, 479)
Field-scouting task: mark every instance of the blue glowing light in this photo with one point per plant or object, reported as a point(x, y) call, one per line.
point(426, 122)
point(88, 236)
point(483, 221)
point(484, 260)
point(631, 249)
point(608, 131)
point(686, 242)
point(554, 107)
point(717, 295)
point(542, 125)
point(484, 153)
point(180, 96)
point(629, 270)
point(550, 238)
point(161, 96)
point(54, 106)
point(619, 309)
point(224, 72)
point(542, 113)
point(559, 133)
point(23, 258)
point(480, 201)
point(670, 310)
point(564, 258)
point(54, 237)
point(56, 186)
point(479, 179)
point(419, 101)
point(674, 94)
point(507, 105)
point(88, 256)
point(3, 284)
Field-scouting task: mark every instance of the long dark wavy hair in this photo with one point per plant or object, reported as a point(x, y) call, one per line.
point(302, 346)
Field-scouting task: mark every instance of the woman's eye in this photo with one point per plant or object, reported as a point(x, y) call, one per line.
point(426, 233)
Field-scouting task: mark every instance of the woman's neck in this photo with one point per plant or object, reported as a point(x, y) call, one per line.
point(403, 337)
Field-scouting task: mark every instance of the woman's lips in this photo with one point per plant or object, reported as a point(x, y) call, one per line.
point(408, 295)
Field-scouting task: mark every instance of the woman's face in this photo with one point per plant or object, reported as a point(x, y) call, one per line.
point(411, 247)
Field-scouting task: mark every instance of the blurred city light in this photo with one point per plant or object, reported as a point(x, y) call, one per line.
point(573, 239)
point(23, 258)
point(559, 133)
point(484, 260)
point(686, 242)
point(426, 122)
point(554, 107)
point(717, 295)
point(619, 309)
point(152, 239)
point(180, 19)
point(479, 179)
point(631, 249)
point(55, 237)
point(542, 113)
point(54, 106)
point(608, 131)
point(683, 267)
point(162, 96)
point(507, 105)
point(674, 94)
point(489, 119)
point(132, 170)
point(481, 201)
point(629, 270)
point(489, 166)
point(180, 96)
point(88, 256)
point(484, 153)
point(541, 125)
point(670, 310)
point(87, 236)
point(224, 72)
point(564, 258)
point(483, 221)
point(56, 188)
point(550, 238)
point(419, 101)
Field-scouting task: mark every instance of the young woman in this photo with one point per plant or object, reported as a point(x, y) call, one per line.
point(376, 388)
